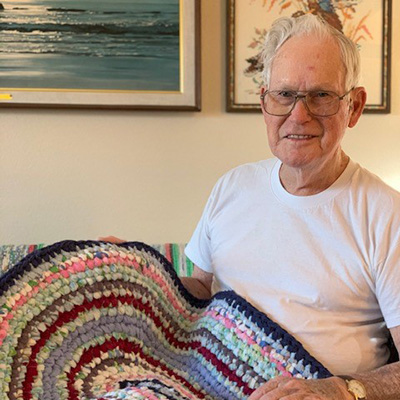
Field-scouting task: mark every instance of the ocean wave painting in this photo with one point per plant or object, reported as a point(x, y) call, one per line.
point(90, 44)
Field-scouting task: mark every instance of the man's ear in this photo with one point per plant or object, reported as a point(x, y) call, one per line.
point(263, 89)
point(358, 100)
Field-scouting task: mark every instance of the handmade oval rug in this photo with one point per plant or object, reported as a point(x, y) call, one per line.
point(95, 320)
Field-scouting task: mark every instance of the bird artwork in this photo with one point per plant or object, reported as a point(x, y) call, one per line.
point(325, 10)
point(328, 10)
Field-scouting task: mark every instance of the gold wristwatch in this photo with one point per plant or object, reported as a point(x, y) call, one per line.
point(355, 387)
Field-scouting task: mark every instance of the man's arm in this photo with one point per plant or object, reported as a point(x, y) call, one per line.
point(199, 284)
point(384, 383)
point(381, 384)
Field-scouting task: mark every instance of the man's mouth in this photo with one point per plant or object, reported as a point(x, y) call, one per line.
point(299, 137)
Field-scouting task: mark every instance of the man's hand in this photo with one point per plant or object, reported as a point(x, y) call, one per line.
point(112, 239)
point(303, 389)
point(199, 285)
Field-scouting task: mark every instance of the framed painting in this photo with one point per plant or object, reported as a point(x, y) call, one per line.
point(123, 54)
point(366, 22)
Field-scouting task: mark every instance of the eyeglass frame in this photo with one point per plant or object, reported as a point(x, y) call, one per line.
point(303, 97)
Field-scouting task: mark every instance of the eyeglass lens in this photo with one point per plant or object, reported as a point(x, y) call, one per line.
point(319, 103)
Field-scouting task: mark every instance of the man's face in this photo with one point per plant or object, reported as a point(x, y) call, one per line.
point(301, 140)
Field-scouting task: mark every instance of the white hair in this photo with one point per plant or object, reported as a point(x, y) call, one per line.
point(285, 28)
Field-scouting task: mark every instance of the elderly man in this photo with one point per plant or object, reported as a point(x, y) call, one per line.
point(310, 237)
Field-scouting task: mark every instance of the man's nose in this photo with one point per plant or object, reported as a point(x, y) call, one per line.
point(300, 110)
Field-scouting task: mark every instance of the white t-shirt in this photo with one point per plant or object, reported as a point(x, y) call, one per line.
point(326, 267)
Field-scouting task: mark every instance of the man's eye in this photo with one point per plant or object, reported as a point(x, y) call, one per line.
point(286, 94)
point(320, 94)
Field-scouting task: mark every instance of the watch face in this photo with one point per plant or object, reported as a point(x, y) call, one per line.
point(357, 388)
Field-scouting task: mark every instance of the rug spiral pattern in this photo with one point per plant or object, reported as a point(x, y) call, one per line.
point(94, 320)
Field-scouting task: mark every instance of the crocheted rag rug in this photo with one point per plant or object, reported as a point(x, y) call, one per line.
point(95, 320)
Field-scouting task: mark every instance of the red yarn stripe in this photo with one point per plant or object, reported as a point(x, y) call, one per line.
point(68, 316)
point(125, 346)
point(224, 369)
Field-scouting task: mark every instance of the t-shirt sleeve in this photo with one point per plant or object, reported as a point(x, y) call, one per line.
point(198, 250)
point(387, 279)
point(388, 285)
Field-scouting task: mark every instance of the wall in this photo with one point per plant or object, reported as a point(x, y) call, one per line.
point(146, 175)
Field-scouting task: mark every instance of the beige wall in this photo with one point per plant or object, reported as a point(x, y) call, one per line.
point(146, 175)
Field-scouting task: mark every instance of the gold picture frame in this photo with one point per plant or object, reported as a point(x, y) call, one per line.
point(368, 23)
point(117, 42)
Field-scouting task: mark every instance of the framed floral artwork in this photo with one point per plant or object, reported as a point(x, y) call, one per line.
point(366, 22)
point(123, 54)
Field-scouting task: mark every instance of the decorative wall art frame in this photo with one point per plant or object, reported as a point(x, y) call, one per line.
point(123, 54)
point(367, 22)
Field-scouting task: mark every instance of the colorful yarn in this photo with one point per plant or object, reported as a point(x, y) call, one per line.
point(174, 252)
point(94, 320)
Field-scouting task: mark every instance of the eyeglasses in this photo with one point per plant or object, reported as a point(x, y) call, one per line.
point(319, 103)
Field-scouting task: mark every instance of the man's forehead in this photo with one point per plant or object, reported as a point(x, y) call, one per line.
point(309, 57)
point(310, 43)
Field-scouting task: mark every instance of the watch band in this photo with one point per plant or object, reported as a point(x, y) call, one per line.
point(355, 387)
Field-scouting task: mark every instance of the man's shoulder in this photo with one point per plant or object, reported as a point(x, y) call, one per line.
point(243, 178)
point(375, 187)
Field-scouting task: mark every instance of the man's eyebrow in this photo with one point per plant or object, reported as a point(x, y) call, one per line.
point(317, 89)
point(284, 88)
point(326, 87)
